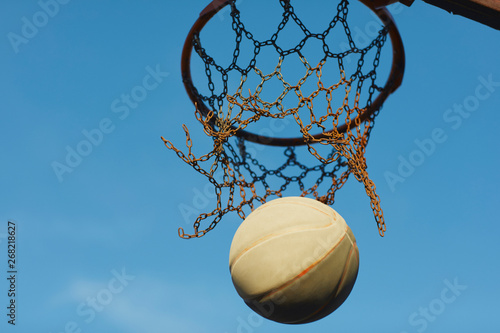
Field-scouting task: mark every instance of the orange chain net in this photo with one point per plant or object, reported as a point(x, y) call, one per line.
point(334, 117)
point(348, 148)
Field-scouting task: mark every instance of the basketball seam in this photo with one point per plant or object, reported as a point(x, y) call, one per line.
point(270, 237)
point(344, 272)
point(348, 236)
point(301, 274)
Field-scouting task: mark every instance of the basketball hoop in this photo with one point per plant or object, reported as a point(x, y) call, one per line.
point(225, 115)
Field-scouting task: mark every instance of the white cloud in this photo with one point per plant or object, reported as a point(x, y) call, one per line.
point(145, 305)
point(153, 305)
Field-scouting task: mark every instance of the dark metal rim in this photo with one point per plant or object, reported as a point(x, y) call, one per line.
point(393, 82)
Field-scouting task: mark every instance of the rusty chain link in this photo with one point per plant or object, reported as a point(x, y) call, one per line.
point(237, 176)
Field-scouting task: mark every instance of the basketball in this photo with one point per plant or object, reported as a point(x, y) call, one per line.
point(294, 260)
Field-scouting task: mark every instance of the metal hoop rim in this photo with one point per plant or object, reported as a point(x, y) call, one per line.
point(392, 84)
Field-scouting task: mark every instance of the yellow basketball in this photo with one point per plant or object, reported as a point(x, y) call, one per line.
point(294, 260)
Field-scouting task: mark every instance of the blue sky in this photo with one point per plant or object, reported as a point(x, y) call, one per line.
point(105, 228)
